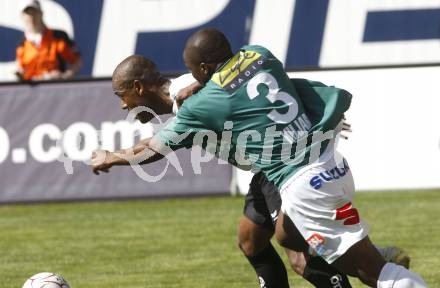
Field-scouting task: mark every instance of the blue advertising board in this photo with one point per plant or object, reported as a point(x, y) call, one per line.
point(321, 33)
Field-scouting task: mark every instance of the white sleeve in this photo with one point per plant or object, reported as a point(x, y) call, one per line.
point(178, 84)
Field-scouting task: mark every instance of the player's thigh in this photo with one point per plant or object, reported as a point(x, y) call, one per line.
point(256, 227)
point(288, 235)
point(255, 204)
point(252, 237)
point(361, 260)
point(272, 197)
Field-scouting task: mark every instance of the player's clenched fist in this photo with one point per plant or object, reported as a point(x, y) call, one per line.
point(102, 161)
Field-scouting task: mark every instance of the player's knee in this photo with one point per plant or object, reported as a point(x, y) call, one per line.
point(248, 247)
point(246, 243)
point(296, 266)
point(297, 262)
point(252, 238)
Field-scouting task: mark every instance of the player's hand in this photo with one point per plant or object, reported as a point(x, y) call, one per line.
point(187, 92)
point(102, 161)
point(346, 129)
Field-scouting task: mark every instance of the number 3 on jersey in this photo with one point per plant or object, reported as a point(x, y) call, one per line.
point(274, 94)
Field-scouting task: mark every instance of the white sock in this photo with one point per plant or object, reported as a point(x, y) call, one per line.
point(395, 276)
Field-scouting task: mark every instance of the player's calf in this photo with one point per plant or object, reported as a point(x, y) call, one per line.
point(364, 260)
point(316, 271)
point(254, 241)
point(312, 268)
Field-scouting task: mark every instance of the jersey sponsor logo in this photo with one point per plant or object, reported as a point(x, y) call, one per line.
point(329, 175)
point(242, 67)
point(347, 213)
point(317, 243)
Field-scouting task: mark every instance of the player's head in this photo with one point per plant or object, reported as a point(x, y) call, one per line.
point(137, 82)
point(204, 50)
point(32, 15)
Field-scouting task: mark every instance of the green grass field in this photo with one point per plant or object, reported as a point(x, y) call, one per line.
point(183, 242)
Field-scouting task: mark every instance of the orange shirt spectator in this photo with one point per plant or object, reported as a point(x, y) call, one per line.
point(44, 54)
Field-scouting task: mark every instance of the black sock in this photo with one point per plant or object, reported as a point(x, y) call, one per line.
point(322, 275)
point(270, 268)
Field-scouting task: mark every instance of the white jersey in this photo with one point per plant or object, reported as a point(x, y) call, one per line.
point(178, 84)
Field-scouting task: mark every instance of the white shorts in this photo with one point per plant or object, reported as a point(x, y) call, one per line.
point(318, 199)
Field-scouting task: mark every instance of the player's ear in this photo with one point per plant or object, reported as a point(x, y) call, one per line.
point(204, 68)
point(139, 87)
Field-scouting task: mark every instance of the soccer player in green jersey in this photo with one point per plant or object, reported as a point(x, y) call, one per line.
point(315, 181)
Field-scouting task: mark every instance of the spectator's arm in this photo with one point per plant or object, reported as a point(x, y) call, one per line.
point(19, 71)
point(68, 50)
point(72, 70)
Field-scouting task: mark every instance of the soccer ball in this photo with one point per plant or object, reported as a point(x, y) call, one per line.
point(46, 280)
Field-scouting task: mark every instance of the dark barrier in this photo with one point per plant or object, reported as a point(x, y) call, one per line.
point(41, 125)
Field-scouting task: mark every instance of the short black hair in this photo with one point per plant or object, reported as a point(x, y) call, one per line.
point(208, 45)
point(137, 67)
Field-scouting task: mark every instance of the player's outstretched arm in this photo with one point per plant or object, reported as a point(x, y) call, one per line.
point(143, 152)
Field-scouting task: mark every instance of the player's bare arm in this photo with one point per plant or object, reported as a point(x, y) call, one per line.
point(142, 153)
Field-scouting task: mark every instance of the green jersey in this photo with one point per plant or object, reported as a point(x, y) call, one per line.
point(253, 108)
